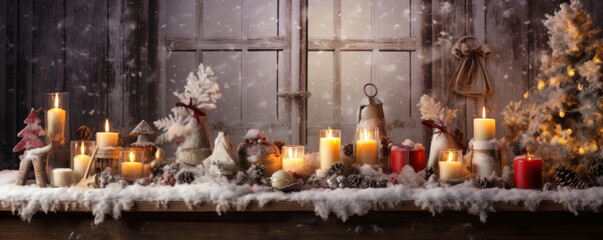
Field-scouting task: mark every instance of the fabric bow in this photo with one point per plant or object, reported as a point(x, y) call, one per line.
point(192, 107)
point(442, 128)
point(461, 50)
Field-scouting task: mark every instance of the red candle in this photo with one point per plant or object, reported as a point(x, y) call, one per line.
point(527, 172)
point(416, 159)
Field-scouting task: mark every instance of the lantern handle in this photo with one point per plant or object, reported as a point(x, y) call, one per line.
point(374, 86)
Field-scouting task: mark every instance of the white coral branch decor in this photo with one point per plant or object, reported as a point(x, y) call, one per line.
point(432, 110)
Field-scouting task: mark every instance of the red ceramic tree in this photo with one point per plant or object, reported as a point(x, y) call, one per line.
point(30, 141)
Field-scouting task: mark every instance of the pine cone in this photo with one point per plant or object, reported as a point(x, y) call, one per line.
point(185, 176)
point(490, 183)
point(595, 172)
point(355, 180)
point(335, 169)
point(568, 178)
point(429, 171)
point(83, 133)
point(279, 144)
point(385, 143)
point(348, 149)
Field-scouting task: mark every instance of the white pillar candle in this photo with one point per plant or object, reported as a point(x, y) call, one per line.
point(56, 121)
point(484, 128)
point(106, 139)
point(131, 170)
point(80, 164)
point(449, 168)
point(329, 148)
point(62, 177)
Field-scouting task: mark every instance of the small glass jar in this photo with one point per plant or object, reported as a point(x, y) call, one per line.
point(367, 146)
point(81, 158)
point(293, 158)
point(132, 164)
point(57, 132)
point(450, 164)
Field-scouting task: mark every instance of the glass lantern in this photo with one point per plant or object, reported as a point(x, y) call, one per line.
point(293, 158)
point(449, 164)
point(81, 158)
point(367, 145)
point(57, 132)
point(133, 164)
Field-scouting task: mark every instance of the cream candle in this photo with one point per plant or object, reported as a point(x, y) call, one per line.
point(484, 128)
point(366, 146)
point(449, 166)
point(131, 170)
point(56, 121)
point(80, 164)
point(106, 139)
point(293, 158)
point(62, 177)
point(330, 143)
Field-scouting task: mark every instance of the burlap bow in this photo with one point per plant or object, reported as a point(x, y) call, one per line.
point(470, 69)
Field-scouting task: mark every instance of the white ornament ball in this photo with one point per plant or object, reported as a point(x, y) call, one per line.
point(281, 178)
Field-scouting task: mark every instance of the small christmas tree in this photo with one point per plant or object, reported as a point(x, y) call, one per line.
point(566, 121)
point(188, 116)
point(30, 133)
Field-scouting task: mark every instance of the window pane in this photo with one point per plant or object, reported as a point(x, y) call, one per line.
point(263, 18)
point(221, 19)
point(355, 72)
point(320, 104)
point(260, 85)
point(178, 66)
point(227, 66)
point(393, 82)
point(393, 18)
point(356, 19)
point(320, 18)
point(180, 18)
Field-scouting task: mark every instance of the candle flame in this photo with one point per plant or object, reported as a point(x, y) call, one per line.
point(56, 100)
point(329, 134)
point(106, 125)
point(82, 149)
point(290, 153)
point(450, 157)
point(529, 156)
point(132, 157)
point(484, 112)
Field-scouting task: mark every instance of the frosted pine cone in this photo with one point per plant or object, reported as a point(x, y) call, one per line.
point(348, 149)
point(336, 169)
point(564, 176)
point(83, 133)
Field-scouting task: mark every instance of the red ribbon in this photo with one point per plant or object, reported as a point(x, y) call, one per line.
point(192, 107)
point(442, 128)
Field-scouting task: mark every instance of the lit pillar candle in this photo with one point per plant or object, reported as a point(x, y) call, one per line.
point(449, 165)
point(366, 146)
point(62, 177)
point(293, 158)
point(131, 170)
point(80, 164)
point(527, 172)
point(483, 128)
point(56, 121)
point(330, 143)
point(106, 138)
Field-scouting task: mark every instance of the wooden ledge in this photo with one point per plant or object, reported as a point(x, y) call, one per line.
point(284, 206)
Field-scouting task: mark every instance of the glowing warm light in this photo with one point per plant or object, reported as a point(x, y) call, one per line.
point(526, 95)
point(553, 80)
point(569, 131)
point(56, 100)
point(290, 153)
point(132, 157)
point(580, 86)
point(561, 114)
point(596, 59)
point(484, 112)
point(540, 84)
point(82, 149)
point(581, 150)
point(106, 125)
point(570, 71)
point(449, 157)
point(529, 156)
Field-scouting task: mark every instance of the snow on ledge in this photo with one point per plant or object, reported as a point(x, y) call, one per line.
point(343, 203)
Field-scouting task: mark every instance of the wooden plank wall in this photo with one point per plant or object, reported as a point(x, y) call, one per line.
point(104, 54)
point(98, 51)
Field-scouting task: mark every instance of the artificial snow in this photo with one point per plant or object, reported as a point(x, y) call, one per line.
point(342, 202)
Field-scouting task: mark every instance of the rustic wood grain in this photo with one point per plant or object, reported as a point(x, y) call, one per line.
point(305, 225)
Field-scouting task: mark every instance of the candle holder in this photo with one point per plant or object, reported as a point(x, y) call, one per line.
point(367, 146)
point(57, 132)
point(293, 158)
point(330, 143)
point(131, 163)
point(485, 158)
point(81, 155)
point(449, 164)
